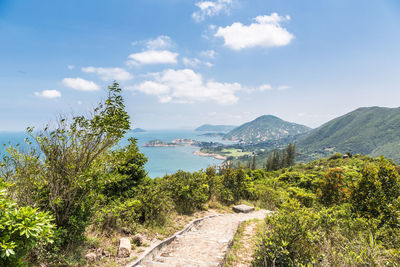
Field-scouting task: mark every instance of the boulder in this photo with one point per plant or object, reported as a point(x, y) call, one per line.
point(124, 249)
point(242, 208)
point(91, 257)
point(138, 239)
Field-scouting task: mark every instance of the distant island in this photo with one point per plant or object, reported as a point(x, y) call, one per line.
point(180, 142)
point(213, 134)
point(138, 130)
point(215, 128)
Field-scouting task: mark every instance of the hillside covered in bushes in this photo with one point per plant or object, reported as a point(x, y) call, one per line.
point(75, 180)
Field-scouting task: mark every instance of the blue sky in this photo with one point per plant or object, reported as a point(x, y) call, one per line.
point(183, 63)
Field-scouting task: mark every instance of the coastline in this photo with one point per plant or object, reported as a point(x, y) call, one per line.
point(215, 156)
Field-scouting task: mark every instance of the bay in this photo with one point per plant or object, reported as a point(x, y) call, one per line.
point(161, 160)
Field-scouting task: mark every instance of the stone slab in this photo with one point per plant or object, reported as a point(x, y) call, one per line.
point(242, 208)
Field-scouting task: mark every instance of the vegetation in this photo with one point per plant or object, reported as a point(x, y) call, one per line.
point(265, 128)
point(369, 131)
point(75, 178)
point(21, 229)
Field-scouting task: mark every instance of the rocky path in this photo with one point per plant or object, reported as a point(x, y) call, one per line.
point(204, 244)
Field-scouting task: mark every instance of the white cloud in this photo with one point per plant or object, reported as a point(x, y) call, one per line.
point(195, 62)
point(208, 54)
point(80, 84)
point(160, 42)
point(71, 67)
point(265, 87)
point(153, 57)
point(108, 74)
point(48, 94)
point(187, 86)
point(266, 31)
point(210, 9)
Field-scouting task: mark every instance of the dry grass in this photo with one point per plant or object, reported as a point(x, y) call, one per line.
point(244, 244)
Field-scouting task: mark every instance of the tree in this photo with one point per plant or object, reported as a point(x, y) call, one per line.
point(126, 171)
point(60, 167)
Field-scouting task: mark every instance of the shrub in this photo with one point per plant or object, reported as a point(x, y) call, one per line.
point(21, 229)
point(304, 197)
point(155, 203)
point(189, 191)
point(290, 238)
point(375, 195)
point(269, 198)
point(332, 188)
point(235, 185)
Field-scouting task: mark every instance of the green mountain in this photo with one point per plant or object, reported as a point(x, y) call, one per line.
point(265, 128)
point(215, 128)
point(372, 131)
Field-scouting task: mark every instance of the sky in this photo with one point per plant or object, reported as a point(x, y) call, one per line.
point(183, 63)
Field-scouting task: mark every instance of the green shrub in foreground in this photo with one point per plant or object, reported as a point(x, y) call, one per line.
point(290, 238)
point(21, 229)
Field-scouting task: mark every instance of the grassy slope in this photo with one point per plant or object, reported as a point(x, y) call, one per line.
point(372, 131)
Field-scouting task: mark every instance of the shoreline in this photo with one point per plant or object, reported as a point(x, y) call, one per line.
point(215, 156)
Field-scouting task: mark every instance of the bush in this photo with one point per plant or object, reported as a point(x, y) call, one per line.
point(290, 238)
point(189, 191)
point(235, 185)
point(332, 188)
point(269, 198)
point(155, 203)
point(376, 194)
point(21, 229)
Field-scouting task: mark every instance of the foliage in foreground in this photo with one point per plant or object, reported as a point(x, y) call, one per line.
point(353, 218)
point(21, 229)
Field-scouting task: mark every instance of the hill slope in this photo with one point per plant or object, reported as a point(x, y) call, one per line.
point(265, 128)
point(372, 131)
point(215, 128)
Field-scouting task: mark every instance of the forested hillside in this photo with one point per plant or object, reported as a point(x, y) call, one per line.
point(265, 128)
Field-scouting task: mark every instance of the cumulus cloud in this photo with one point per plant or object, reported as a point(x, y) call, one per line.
point(71, 67)
point(108, 74)
point(160, 42)
point(266, 32)
point(48, 94)
point(80, 84)
point(195, 62)
point(187, 86)
point(153, 57)
point(210, 9)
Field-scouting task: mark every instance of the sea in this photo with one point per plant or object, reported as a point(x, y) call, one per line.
point(161, 160)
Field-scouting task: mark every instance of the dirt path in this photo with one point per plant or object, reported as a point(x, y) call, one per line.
point(241, 254)
point(205, 244)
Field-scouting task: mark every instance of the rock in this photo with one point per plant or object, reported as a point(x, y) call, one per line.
point(91, 257)
point(138, 239)
point(99, 252)
point(126, 231)
point(124, 249)
point(242, 208)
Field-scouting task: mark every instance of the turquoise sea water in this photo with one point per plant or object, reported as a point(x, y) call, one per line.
point(161, 160)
